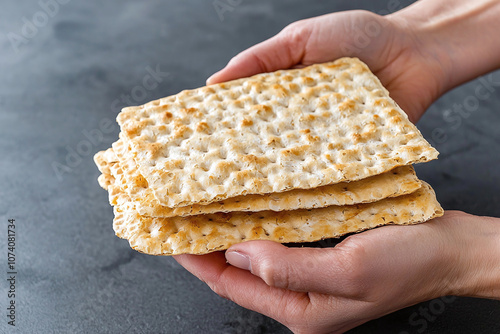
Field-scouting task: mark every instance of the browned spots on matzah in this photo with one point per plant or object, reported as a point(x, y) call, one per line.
point(246, 122)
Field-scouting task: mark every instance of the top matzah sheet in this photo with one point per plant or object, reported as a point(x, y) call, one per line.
point(273, 132)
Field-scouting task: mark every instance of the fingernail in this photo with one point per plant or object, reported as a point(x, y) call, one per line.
point(239, 260)
point(208, 80)
point(211, 77)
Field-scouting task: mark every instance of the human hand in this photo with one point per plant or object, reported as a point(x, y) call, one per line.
point(391, 49)
point(366, 276)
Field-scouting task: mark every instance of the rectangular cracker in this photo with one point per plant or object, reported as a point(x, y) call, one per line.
point(208, 233)
point(273, 132)
point(399, 181)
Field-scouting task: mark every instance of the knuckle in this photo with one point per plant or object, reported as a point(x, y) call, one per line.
point(221, 292)
point(354, 270)
point(284, 278)
point(217, 286)
point(294, 26)
point(265, 270)
point(274, 273)
point(295, 32)
point(217, 289)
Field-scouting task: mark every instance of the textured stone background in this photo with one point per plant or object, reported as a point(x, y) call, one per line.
point(69, 76)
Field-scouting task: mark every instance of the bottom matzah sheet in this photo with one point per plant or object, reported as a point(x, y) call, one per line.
point(203, 234)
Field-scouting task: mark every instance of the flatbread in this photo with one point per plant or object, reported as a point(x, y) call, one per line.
point(270, 133)
point(400, 181)
point(203, 234)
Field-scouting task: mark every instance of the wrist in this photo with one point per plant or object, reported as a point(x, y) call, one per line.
point(461, 36)
point(476, 266)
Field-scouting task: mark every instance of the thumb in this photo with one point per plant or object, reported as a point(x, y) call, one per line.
point(282, 51)
point(298, 269)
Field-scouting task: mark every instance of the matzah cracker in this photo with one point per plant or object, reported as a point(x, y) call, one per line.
point(400, 181)
point(208, 233)
point(273, 132)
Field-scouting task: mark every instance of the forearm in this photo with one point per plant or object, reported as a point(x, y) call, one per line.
point(463, 34)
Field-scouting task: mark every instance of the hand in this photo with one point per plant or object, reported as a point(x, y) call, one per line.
point(366, 276)
point(400, 57)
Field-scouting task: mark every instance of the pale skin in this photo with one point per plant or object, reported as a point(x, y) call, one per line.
point(419, 53)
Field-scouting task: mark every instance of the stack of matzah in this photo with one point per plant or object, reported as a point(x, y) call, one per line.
point(290, 156)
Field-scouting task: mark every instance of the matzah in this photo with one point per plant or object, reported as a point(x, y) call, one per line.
point(273, 132)
point(207, 233)
point(400, 181)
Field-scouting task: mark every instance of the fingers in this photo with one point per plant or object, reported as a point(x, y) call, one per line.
point(299, 269)
point(244, 288)
point(279, 52)
point(315, 40)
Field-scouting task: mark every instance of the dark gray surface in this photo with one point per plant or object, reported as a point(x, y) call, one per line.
point(75, 276)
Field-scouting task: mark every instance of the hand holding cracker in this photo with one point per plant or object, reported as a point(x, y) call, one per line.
point(368, 275)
